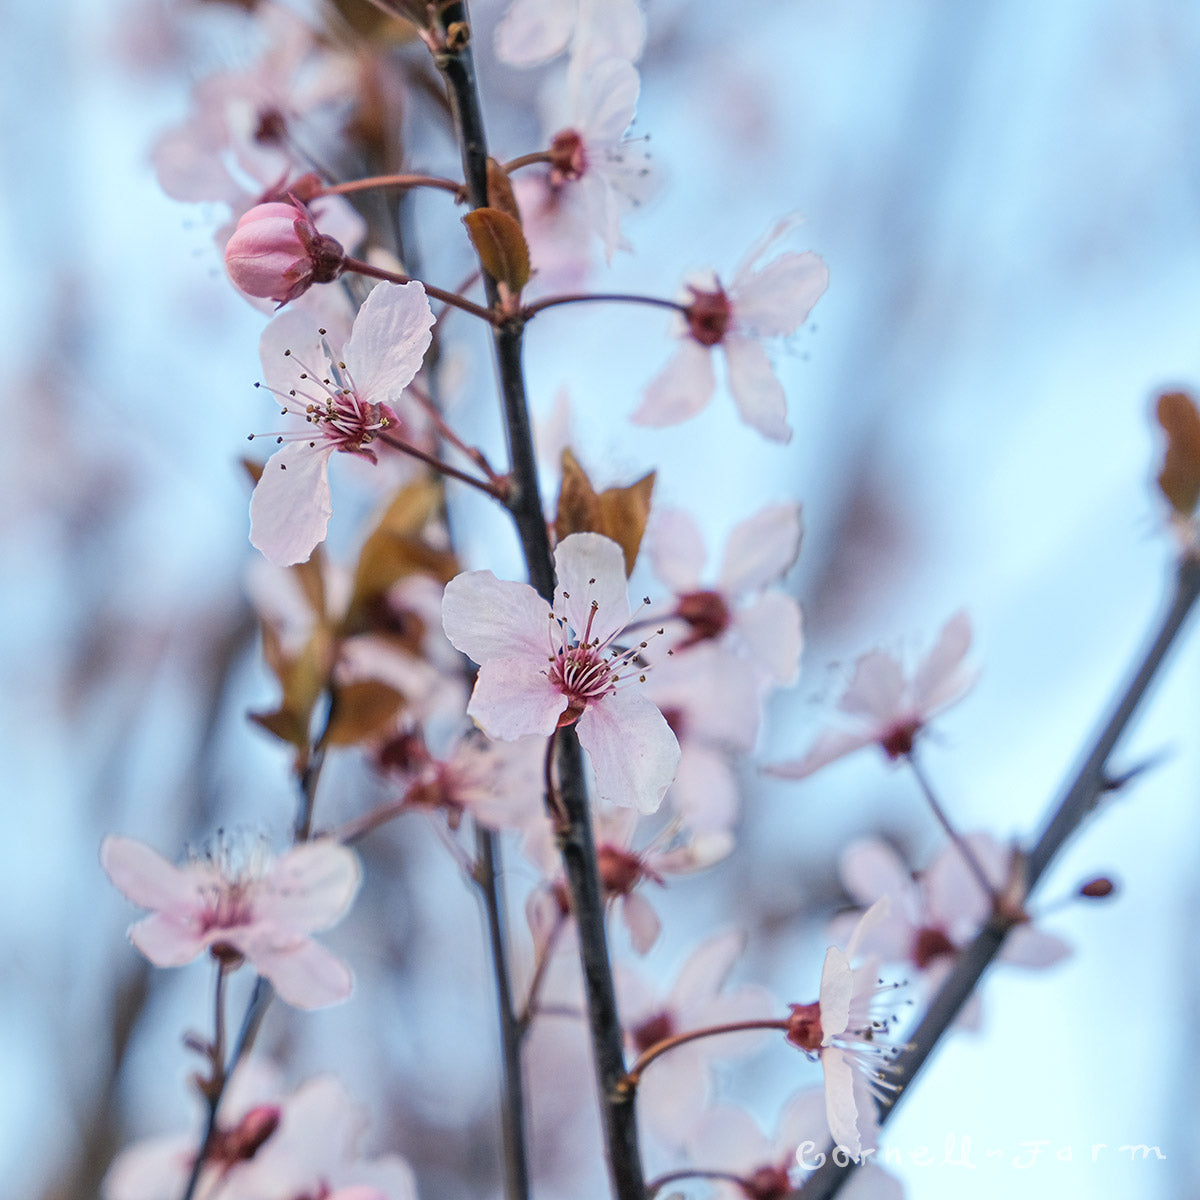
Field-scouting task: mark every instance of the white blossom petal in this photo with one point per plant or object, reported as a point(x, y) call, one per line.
point(590, 570)
point(305, 974)
point(142, 875)
point(829, 746)
point(388, 343)
point(770, 627)
point(942, 677)
point(633, 751)
point(514, 698)
point(756, 389)
point(310, 887)
point(761, 549)
point(291, 505)
point(489, 618)
point(837, 987)
point(680, 390)
point(677, 550)
point(167, 939)
point(532, 32)
point(777, 299)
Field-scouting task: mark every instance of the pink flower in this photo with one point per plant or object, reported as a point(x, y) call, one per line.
point(889, 707)
point(761, 302)
point(738, 609)
point(276, 253)
point(259, 908)
point(932, 917)
point(345, 405)
point(841, 1029)
point(306, 1144)
point(622, 871)
point(543, 668)
point(729, 1139)
point(677, 1087)
point(532, 32)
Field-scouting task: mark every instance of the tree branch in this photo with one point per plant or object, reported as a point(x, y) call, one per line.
point(1079, 798)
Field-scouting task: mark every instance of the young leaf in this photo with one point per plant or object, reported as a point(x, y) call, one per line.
point(501, 246)
point(1179, 478)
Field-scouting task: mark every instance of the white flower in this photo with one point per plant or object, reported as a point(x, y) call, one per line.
point(889, 707)
point(245, 905)
point(761, 302)
point(542, 668)
point(345, 404)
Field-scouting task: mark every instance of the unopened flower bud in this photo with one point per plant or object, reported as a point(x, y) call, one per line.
point(276, 252)
point(1098, 888)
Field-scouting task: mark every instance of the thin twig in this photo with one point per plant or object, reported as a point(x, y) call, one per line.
point(512, 1111)
point(400, 181)
point(634, 1077)
point(531, 310)
point(365, 268)
point(1079, 798)
point(444, 468)
point(961, 844)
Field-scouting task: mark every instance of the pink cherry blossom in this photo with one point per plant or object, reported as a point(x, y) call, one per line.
point(241, 903)
point(676, 1087)
point(739, 609)
point(622, 869)
point(532, 32)
point(306, 1144)
point(345, 401)
point(888, 706)
point(276, 252)
point(729, 1139)
point(542, 668)
point(842, 1030)
point(933, 916)
point(770, 301)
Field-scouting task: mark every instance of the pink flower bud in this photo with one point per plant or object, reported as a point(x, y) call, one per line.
point(276, 252)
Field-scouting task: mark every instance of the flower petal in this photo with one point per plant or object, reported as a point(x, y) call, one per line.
point(291, 505)
point(606, 101)
point(309, 888)
point(756, 389)
point(1029, 947)
point(677, 550)
point(166, 940)
point(771, 630)
point(837, 985)
point(513, 698)
point(641, 920)
point(633, 751)
point(680, 390)
point(534, 31)
point(761, 549)
point(489, 618)
point(777, 299)
point(290, 347)
point(142, 875)
point(830, 745)
point(388, 343)
point(592, 589)
point(876, 691)
point(305, 975)
point(942, 677)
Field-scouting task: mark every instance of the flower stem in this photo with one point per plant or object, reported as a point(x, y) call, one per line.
point(529, 1008)
point(531, 310)
point(452, 298)
point(526, 160)
point(256, 1009)
point(575, 836)
point(659, 1182)
point(633, 1078)
point(960, 843)
point(1079, 798)
point(401, 181)
point(488, 488)
point(512, 1027)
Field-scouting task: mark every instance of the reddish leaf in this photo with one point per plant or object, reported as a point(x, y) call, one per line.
point(501, 246)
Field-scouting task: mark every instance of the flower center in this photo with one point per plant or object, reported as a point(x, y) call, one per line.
point(929, 944)
point(708, 315)
point(336, 417)
point(767, 1183)
point(804, 1027)
point(568, 156)
point(707, 614)
point(653, 1030)
point(900, 738)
